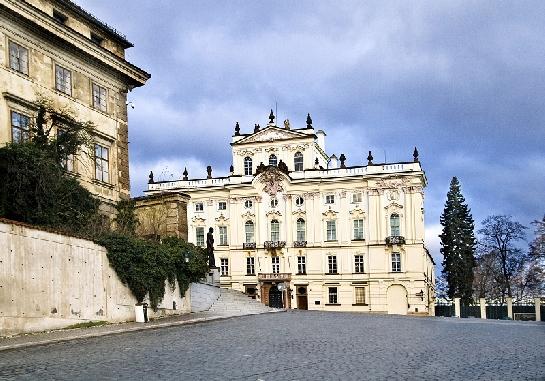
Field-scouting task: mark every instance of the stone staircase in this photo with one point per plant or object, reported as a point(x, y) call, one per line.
point(235, 303)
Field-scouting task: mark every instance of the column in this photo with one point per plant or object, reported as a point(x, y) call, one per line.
point(509, 307)
point(537, 302)
point(457, 307)
point(482, 302)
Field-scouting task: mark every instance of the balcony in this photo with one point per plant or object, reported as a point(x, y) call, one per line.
point(395, 240)
point(299, 243)
point(274, 244)
point(275, 277)
point(248, 245)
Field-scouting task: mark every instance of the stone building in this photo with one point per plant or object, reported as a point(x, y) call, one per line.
point(298, 228)
point(56, 50)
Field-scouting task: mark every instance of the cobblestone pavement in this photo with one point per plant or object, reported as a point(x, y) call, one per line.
point(297, 346)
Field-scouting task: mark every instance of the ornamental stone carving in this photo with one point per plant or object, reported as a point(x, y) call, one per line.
point(272, 181)
point(248, 215)
point(245, 152)
point(273, 213)
point(392, 195)
point(392, 183)
point(198, 221)
point(222, 219)
point(330, 213)
point(357, 212)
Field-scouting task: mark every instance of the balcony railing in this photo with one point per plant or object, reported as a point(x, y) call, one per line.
point(395, 240)
point(274, 276)
point(299, 243)
point(274, 244)
point(248, 245)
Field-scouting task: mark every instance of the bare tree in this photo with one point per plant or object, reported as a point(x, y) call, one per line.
point(499, 236)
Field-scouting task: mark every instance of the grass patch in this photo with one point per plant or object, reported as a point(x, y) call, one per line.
point(87, 324)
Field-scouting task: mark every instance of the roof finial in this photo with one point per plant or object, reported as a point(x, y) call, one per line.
point(209, 172)
point(271, 117)
point(370, 159)
point(309, 121)
point(237, 129)
point(150, 178)
point(256, 128)
point(232, 169)
point(415, 155)
point(342, 158)
point(185, 174)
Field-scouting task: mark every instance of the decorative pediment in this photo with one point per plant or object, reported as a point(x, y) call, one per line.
point(273, 213)
point(271, 134)
point(198, 221)
point(222, 219)
point(357, 212)
point(248, 215)
point(393, 206)
point(330, 213)
point(299, 213)
point(245, 152)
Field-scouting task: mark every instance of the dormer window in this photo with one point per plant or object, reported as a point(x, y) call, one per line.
point(273, 160)
point(59, 17)
point(96, 39)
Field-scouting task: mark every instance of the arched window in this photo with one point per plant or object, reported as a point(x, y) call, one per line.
point(275, 230)
point(394, 225)
point(301, 230)
point(248, 165)
point(273, 160)
point(298, 161)
point(249, 231)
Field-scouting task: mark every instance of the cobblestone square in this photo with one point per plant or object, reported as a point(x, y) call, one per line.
point(297, 346)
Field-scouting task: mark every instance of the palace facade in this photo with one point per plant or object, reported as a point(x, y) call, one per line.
point(54, 49)
point(297, 228)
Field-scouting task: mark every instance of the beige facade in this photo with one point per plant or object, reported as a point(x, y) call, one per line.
point(296, 227)
point(55, 49)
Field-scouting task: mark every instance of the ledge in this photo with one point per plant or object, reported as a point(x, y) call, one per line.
point(332, 304)
point(360, 304)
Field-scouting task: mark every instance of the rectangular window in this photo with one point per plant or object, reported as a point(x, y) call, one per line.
point(275, 265)
point(224, 266)
point(301, 265)
point(102, 163)
point(332, 295)
point(360, 295)
point(99, 97)
point(19, 127)
point(223, 235)
point(222, 205)
point(358, 264)
point(356, 197)
point(396, 262)
point(59, 17)
point(330, 199)
point(249, 231)
point(250, 266)
point(275, 230)
point(18, 58)
point(199, 234)
point(63, 80)
point(68, 163)
point(331, 231)
point(358, 229)
point(332, 264)
point(199, 207)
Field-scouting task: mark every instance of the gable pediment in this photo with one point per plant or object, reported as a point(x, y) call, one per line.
point(270, 134)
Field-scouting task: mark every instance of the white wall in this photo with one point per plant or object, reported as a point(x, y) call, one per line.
point(50, 281)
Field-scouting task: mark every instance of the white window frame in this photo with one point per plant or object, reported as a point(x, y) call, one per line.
point(357, 197)
point(199, 207)
point(396, 262)
point(275, 262)
point(248, 169)
point(333, 295)
point(275, 230)
point(298, 163)
point(274, 202)
point(357, 229)
point(18, 57)
point(395, 230)
point(222, 205)
point(249, 235)
point(332, 265)
point(330, 199)
point(222, 232)
point(224, 266)
point(299, 201)
point(102, 163)
point(22, 129)
point(248, 204)
point(273, 160)
point(331, 230)
point(250, 265)
point(301, 264)
point(63, 79)
point(359, 266)
point(199, 236)
point(100, 97)
point(301, 230)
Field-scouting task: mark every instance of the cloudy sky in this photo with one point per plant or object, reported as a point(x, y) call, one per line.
point(462, 80)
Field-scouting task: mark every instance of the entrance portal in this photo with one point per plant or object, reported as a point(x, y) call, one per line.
point(275, 297)
point(397, 299)
point(302, 298)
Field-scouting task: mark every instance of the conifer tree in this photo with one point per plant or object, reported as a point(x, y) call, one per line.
point(458, 244)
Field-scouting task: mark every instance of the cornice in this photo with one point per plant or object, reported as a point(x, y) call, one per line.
point(45, 23)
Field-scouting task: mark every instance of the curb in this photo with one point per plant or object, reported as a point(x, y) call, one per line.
point(126, 330)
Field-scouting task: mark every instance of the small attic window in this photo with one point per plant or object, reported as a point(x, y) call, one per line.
point(96, 38)
point(59, 17)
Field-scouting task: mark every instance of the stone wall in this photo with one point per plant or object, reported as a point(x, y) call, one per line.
point(49, 281)
point(162, 215)
point(203, 296)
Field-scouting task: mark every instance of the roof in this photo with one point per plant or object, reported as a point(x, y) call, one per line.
point(272, 133)
point(96, 22)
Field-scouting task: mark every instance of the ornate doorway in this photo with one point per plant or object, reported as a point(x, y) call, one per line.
point(275, 297)
point(302, 298)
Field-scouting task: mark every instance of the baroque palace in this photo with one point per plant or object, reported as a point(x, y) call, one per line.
point(297, 228)
point(57, 50)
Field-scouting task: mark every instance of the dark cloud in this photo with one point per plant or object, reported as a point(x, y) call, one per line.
point(464, 81)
